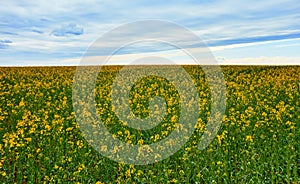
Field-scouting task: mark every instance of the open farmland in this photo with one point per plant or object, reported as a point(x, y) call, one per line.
point(258, 141)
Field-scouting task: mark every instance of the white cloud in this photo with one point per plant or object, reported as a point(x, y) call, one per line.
point(174, 56)
point(261, 61)
point(211, 20)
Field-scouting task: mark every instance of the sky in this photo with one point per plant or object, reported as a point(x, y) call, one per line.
point(58, 33)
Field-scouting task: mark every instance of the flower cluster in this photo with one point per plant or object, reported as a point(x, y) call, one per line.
point(258, 142)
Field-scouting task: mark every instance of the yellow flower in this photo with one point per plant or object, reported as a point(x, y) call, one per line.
point(181, 172)
point(156, 137)
point(199, 175)
point(69, 129)
point(48, 127)
point(28, 139)
point(128, 173)
point(79, 143)
point(103, 148)
point(3, 173)
point(139, 172)
point(32, 130)
point(174, 119)
point(288, 123)
point(22, 104)
point(249, 138)
point(173, 180)
point(140, 142)
point(48, 104)
point(219, 163)
point(38, 150)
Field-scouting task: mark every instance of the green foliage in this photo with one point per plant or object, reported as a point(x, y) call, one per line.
point(258, 141)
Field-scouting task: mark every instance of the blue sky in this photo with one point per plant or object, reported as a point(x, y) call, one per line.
point(237, 32)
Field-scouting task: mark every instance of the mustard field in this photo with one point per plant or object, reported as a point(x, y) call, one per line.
point(258, 141)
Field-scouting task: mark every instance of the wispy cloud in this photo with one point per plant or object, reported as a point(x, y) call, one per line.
point(4, 43)
point(67, 30)
point(254, 39)
point(37, 31)
point(7, 33)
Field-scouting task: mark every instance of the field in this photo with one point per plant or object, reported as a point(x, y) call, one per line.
point(258, 141)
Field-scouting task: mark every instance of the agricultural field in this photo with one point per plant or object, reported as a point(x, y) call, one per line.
point(258, 141)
